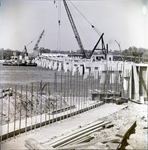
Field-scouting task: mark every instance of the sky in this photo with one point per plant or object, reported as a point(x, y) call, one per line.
point(125, 21)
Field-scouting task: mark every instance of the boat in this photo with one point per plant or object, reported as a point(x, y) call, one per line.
point(9, 63)
point(21, 60)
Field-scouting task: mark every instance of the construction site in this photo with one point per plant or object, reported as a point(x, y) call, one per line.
point(73, 112)
point(89, 100)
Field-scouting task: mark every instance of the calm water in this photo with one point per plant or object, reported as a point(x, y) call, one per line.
point(23, 75)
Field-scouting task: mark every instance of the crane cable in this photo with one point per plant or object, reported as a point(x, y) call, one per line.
point(86, 19)
point(59, 24)
point(33, 40)
point(87, 38)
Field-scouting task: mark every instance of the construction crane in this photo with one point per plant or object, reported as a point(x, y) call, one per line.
point(37, 43)
point(74, 29)
point(86, 54)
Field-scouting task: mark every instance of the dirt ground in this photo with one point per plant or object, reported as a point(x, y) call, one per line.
point(119, 115)
point(137, 140)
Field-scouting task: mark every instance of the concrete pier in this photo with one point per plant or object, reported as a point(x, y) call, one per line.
point(133, 76)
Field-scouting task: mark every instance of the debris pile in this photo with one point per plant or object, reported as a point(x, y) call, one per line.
point(16, 105)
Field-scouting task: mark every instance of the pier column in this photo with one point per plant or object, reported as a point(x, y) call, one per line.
point(87, 70)
point(143, 81)
point(59, 67)
point(55, 65)
point(135, 83)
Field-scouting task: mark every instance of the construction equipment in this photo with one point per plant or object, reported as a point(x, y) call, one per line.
point(74, 29)
point(103, 49)
point(86, 54)
point(37, 43)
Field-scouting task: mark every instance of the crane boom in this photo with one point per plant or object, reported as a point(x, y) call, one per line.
point(37, 43)
point(74, 29)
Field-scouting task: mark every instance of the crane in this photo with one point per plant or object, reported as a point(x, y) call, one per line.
point(104, 50)
point(86, 54)
point(37, 43)
point(74, 29)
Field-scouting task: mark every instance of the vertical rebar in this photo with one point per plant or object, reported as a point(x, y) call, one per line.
point(1, 108)
point(36, 103)
point(15, 110)
point(48, 103)
point(71, 93)
point(45, 105)
point(56, 107)
point(52, 104)
point(40, 103)
point(85, 89)
point(116, 82)
point(8, 113)
point(83, 93)
point(67, 90)
point(31, 103)
point(111, 82)
point(87, 95)
point(61, 100)
point(73, 96)
point(26, 110)
point(79, 92)
point(82, 87)
point(117, 79)
point(64, 91)
point(94, 90)
point(20, 111)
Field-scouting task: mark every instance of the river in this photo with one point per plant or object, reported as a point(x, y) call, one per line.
point(23, 74)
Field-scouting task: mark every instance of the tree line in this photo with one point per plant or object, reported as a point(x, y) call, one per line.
point(131, 54)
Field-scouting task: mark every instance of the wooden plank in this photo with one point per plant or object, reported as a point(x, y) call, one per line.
point(67, 139)
point(129, 125)
point(33, 144)
point(78, 133)
point(28, 147)
point(83, 139)
point(75, 146)
point(79, 137)
point(111, 139)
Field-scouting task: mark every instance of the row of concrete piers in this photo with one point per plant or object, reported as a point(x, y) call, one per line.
point(132, 76)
